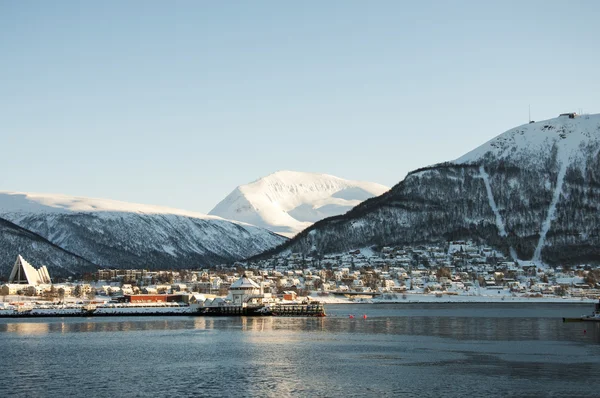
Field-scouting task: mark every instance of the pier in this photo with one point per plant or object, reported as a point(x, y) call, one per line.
point(233, 310)
point(315, 309)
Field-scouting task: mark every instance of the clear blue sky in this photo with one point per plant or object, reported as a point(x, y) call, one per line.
point(177, 102)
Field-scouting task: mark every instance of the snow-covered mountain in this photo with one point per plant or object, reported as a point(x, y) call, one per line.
point(119, 234)
point(16, 240)
point(533, 191)
point(286, 202)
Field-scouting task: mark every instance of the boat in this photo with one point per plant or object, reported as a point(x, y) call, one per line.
point(594, 317)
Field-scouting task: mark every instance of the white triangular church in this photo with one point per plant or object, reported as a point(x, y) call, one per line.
point(23, 272)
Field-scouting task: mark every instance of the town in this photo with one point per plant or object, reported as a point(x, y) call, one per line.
point(458, 271)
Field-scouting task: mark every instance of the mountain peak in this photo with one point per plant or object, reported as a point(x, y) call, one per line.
point(567, 134)
point(286, 201)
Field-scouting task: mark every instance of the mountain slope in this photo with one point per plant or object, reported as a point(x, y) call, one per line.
point(287, 202)
point(118, 234)
point(533, 191)
point(15, 240)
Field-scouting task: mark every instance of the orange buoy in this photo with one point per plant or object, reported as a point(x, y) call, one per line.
point(364, 316)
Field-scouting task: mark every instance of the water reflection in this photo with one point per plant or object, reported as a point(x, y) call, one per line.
point(453, 327)
point(91, 325)
point(420, 354)
point(25, 328)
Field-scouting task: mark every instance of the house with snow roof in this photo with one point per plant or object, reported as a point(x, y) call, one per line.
point(244, 289)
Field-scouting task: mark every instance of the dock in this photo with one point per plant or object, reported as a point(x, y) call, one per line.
point(582, 319)
point(305, 310)
point(233, 310)
point(300, 310)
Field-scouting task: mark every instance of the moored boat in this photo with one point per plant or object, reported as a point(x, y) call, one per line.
point(594, 317)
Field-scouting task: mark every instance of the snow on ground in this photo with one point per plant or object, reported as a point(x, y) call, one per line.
point(367, 251)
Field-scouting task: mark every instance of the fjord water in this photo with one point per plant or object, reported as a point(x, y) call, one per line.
point(520, 349)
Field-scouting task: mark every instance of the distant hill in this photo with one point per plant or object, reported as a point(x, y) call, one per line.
point(119, 234)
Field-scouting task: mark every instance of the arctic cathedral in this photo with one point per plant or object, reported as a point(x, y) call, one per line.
point(25, 273)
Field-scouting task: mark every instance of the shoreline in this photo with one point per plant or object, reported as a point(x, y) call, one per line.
point(428, 299)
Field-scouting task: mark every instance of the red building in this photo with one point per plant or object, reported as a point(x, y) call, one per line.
point(154, 298)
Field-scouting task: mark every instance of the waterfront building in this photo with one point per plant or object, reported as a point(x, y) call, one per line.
point(154, 298)
point(244, 289)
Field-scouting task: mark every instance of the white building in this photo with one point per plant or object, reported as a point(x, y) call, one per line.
point(243, 289)
point(25, 273)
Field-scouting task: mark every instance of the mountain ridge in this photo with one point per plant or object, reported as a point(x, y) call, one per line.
point(60, 262)
point(124, 235)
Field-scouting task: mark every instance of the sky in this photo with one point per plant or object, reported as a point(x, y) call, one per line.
point(177, 103)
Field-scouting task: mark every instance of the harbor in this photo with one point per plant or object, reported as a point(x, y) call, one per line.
point(331, 356)
point(245, 298)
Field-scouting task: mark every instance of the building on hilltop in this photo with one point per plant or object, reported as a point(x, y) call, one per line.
point(25, 273)
point(570, 115)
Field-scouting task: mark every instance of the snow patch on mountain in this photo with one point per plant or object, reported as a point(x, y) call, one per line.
point(488, 188)
point(287, 202)
point(537, 256)
point(499, 222)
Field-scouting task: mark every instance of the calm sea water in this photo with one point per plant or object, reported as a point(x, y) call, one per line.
point(466, 350)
